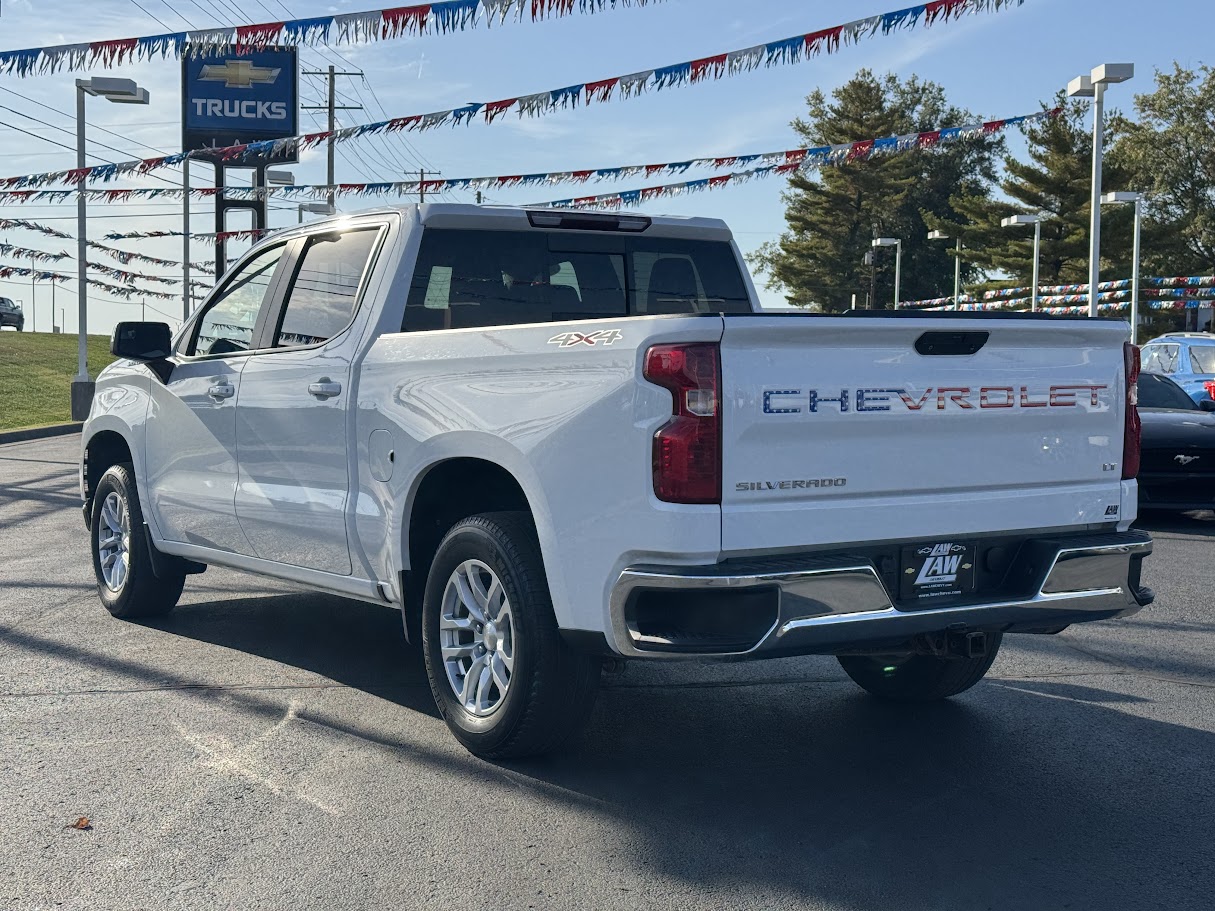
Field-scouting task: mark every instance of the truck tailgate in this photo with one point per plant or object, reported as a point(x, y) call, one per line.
point(843, 429)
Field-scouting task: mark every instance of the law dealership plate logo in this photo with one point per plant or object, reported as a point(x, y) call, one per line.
point(937, 570)
point(591, 339)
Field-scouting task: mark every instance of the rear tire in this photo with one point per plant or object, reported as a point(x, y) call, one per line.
point(502, 677)
point(128, 586)
point(919, 678)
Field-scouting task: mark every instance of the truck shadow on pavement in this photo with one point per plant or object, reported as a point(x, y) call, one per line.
point(349, 642)
point(1023, 793)
point(1033, 794)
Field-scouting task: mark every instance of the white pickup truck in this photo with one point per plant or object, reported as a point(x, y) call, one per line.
point(558, 439)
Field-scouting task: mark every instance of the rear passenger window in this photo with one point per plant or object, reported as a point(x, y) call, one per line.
point(1202, 358)
point(325, 290)
point(465, 279)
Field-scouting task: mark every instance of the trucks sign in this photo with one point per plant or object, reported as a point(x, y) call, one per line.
point(231, 99)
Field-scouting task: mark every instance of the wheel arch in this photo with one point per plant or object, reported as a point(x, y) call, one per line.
point(103, 448)
point(445, 492)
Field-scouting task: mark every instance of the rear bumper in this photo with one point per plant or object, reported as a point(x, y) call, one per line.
point(826, 605)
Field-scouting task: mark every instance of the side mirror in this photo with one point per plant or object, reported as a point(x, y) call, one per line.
point(144, 341)
point(1207, 405)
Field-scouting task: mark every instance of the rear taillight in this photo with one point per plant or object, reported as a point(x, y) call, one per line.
point(687, 448)
point(1209, 386)
point(1131, 438)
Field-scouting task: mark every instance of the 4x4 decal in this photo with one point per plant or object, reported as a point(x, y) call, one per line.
point(601, 337)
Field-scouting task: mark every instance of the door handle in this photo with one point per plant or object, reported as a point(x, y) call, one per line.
point(221, 391)
point(325, 388)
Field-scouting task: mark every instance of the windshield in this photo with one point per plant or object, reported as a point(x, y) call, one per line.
point(1157, 391)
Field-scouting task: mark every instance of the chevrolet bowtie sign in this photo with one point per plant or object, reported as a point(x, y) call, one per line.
point(230, 100)
point(240, 74)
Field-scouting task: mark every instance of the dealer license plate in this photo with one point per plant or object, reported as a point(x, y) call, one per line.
point(939, 570)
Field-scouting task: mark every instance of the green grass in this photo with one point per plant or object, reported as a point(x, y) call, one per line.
point(36, 371)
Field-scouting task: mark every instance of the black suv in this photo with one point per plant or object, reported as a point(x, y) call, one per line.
point(11, 315)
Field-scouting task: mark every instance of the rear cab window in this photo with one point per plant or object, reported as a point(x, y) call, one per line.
point(470, 278)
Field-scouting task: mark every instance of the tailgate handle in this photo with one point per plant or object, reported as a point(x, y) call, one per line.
point(950, 343)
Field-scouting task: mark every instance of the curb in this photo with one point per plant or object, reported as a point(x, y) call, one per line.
point(38, 433)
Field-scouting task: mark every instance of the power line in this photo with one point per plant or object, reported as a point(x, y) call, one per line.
point(159, 21)
point(178, 14)
point(89, 124)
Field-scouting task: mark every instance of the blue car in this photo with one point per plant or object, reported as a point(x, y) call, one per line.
point(1187, 358)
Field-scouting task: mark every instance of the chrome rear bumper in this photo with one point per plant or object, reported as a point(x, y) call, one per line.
point(828, 605)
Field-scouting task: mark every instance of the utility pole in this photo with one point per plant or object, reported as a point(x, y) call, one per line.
point(332, 107)
point(422, 184)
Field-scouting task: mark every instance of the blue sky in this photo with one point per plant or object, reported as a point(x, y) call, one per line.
point(996, 65)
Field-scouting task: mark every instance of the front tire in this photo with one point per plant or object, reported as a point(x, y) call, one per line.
point(503, 679)
point(122, 562)
point(919, 678)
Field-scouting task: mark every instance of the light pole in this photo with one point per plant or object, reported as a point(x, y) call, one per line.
point(1036, 220)
point(315, 208)
point(120, 91)
point(1137, 200)
point(1093, 86)
point(898, 261)
point(957, 266)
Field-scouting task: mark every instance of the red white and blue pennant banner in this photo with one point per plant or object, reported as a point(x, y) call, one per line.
point(10, 224)
point(799, 160)
point(37, 256)
point(1016, 297)
point(1195, 304)
point(42, 256)
point(118, 291)
point(731, 63)
point(249, 234)
point(126, 258)
point(778, 162)
point(348, 28)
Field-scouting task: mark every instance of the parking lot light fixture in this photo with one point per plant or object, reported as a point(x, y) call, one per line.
point(1137, 200)
point(1093, 86)
point(119, 91)
point(957, 266)
point(1035, 220)
point(315, 208)
point(898, 261)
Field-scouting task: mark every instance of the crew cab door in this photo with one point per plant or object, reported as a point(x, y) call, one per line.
point(291, 414)
point(191, 454)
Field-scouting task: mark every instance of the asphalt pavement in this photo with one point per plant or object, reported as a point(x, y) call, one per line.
point(263, 747)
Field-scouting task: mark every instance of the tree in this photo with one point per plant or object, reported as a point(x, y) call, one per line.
point(1168, 155)
point(833, 216)
point(1055, 184)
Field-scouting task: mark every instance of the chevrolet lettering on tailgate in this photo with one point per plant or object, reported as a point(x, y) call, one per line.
point(941, 398)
